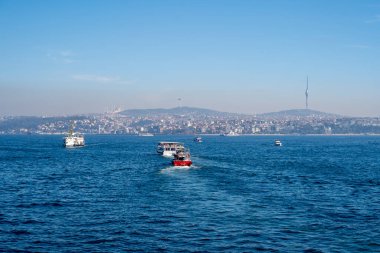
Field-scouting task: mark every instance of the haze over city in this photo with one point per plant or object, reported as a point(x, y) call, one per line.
point(73, 57)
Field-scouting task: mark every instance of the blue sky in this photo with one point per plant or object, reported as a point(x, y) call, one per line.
point(69, 57)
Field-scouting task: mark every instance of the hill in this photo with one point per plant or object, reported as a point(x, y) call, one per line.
point(188, 111)
point(193, 111)
point(299, 113)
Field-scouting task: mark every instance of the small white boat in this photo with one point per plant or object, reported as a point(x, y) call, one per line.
point(198, 139)
point(166, 148)
point(277, 143)
point(73, 140)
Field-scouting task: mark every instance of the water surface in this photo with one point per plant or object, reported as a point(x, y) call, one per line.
point(313, 194)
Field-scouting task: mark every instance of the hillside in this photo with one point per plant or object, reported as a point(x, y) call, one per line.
point(188, 111)
point(299, 113)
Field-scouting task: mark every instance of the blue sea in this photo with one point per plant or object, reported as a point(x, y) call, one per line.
point(242, 194)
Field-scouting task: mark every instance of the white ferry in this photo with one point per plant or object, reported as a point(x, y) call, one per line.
point(277, 143)
point(73, 140)
point(166, 148)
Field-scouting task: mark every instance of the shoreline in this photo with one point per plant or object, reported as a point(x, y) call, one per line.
point(239, 135)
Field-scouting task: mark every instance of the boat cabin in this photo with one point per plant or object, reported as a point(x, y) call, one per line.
point(167, 148)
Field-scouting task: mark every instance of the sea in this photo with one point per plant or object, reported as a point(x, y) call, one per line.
point(242, 194)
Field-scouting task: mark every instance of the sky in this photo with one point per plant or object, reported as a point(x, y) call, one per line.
point(247, 56)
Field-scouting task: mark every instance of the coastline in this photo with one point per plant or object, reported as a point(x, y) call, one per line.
point(239, 135)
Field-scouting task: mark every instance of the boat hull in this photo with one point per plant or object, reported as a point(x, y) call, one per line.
point(182, 163)
point(167, 153)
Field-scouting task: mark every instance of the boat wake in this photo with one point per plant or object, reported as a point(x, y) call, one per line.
point(96, 144)
point(171, 169)
point(214, 162)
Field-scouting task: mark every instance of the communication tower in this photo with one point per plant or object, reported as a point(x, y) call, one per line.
point(307, 92)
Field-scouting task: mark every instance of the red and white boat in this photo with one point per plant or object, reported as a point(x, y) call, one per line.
point(182, 158)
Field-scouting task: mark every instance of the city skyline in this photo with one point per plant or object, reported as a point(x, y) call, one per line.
point(65, 58)
point(190, 121)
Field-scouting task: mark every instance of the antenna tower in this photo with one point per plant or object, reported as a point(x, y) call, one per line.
point(307, 92)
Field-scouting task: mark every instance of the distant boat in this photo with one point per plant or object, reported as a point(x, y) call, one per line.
point(73, 139)
point(231, 134)
point(277, 143)
point(198, 139)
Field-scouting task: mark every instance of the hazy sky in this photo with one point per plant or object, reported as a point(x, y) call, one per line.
point(250, 56)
